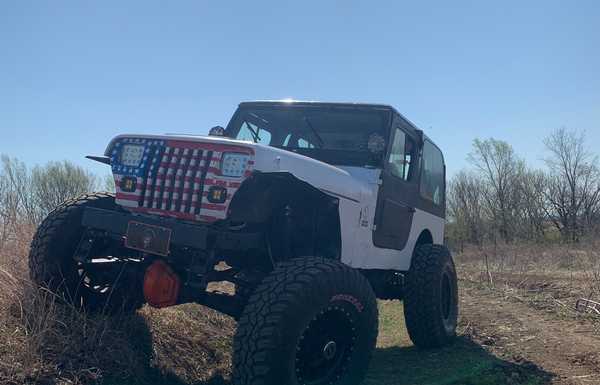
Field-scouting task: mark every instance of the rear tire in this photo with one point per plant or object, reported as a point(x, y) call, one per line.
point(431, 297)
point(311, 321)
point(51, 262)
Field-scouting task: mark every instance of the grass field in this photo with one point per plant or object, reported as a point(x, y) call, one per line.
point(512, 332)
point(397, 361)
point(190, 344)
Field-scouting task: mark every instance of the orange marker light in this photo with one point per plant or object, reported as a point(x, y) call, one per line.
point(161, 285)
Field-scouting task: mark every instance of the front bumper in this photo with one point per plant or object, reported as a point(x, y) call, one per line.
point(193, 252)
point(196, 236)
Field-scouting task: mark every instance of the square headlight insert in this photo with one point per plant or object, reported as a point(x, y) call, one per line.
point(234, 164)
point(131, 155)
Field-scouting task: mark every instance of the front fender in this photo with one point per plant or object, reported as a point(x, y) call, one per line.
point(263, 193)
point(298, 218)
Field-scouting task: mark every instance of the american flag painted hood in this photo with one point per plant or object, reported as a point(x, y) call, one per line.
point(180, 176)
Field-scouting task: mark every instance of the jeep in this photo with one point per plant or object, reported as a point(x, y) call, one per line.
point(309, 210)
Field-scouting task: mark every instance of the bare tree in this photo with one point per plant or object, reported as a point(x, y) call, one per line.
point(500, 169)
point(465, 207)
point(16, 203)
point(533, 205)
point(108, 185)
point(573, 190)
point(26, 196)
point(57, 182)
point(16, 199)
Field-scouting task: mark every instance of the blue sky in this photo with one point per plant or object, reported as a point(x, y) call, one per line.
point(75, 73)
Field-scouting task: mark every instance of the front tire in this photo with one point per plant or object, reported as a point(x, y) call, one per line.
point(431, 297)
point(51, 262)
point(311, 321)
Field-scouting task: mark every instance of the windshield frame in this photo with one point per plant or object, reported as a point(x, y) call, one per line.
point(331, 156)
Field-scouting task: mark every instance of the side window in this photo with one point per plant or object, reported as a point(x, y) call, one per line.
point(296, 142)
point(302, 143)
point(286, 142)
point(401, 155)
point(432, 174)
point(248, 131)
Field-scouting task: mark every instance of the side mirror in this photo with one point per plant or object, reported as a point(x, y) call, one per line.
point(216, 131)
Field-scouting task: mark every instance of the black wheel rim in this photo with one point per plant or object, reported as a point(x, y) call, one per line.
point(325, 347)
point(446, 297)
point(448, 303)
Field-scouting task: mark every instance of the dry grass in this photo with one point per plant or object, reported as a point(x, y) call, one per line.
point(532, 257)
point(43, 340)
point(577, 261)
point(551, 277)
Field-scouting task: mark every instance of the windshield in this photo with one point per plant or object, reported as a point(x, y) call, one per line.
point(336, 135)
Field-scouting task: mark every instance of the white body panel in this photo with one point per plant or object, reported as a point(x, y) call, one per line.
point(357, 235)
point(357, 190)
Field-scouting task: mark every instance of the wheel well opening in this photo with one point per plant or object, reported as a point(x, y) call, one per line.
point(297, 218)
point(425, 238)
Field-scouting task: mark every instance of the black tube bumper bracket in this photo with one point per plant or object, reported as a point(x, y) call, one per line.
point(198, 236)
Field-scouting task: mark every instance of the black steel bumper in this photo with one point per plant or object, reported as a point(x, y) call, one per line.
point(197, 236)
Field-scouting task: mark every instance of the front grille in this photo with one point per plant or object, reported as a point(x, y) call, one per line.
point(175, 179)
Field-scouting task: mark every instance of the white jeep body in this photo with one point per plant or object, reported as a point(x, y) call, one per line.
point(308, 212)
point(179, 160)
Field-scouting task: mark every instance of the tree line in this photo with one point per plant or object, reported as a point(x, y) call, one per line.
point(500, 198)
point(27, 195)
